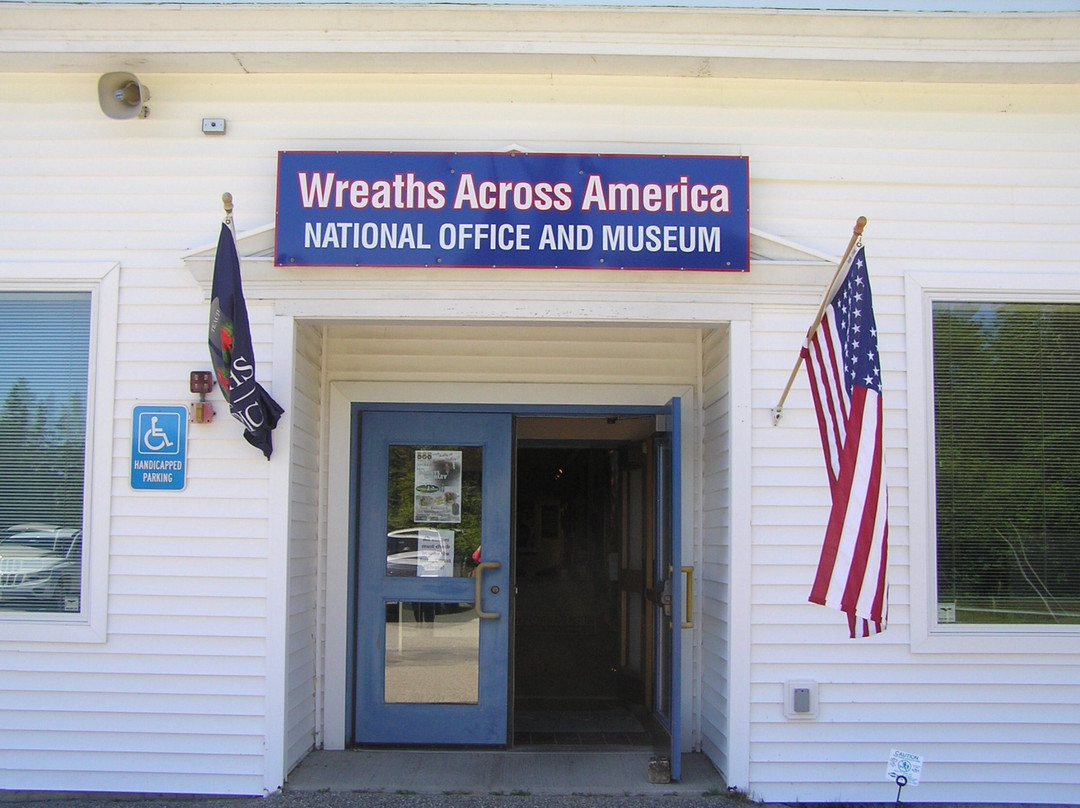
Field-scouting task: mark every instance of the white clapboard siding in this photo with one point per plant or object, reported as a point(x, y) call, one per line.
point(173, 698)
point(964, 205)
point(715, 573)
point(301, 683)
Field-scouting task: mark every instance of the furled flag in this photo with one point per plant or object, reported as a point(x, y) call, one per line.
point(231, 351)
point(842, 361)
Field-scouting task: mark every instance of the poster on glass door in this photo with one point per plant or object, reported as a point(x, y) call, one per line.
point(435, 556)
point(437, 488)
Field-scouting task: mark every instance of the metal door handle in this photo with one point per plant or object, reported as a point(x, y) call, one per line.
point(689, 573)
point(478, 575)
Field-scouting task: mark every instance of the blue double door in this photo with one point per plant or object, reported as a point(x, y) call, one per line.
point(433, 602)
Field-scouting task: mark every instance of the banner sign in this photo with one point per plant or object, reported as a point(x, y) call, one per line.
point(422, 209)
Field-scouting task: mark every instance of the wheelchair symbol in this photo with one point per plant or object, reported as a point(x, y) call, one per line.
point(159, 433)
point(155, 438)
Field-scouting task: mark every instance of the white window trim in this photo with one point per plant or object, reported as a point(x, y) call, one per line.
point(921, 291)
point(102, 280)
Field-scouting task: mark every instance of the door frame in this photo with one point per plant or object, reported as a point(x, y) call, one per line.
point(519, 399)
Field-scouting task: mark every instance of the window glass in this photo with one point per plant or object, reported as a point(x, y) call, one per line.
point(432, 653)
point(1007, 429)
point(44, 345)
point(433, 511)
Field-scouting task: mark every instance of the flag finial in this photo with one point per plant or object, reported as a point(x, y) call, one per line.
point(226, 200)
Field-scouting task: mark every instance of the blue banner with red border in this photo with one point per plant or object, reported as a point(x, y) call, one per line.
point(447, 209)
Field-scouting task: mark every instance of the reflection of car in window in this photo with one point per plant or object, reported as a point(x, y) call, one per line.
point(40, 568)
point(420, 551)
point(403, 564)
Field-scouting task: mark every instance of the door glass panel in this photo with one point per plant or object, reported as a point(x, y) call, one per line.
point(433, 511)
point(432, 653)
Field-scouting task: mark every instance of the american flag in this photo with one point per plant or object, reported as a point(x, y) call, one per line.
point(842, 361)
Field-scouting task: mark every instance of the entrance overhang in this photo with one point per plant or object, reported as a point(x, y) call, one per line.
point(781, 272)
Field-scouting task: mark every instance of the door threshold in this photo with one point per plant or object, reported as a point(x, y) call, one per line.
point(556, 741)
point(528, 770)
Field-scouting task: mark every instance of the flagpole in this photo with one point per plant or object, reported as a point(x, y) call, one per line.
point(856, 234)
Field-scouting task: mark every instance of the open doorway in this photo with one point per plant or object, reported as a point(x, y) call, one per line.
point(585, 532)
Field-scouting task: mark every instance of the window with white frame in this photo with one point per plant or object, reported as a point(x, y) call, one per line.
point(45, 345)
point(1006, 409)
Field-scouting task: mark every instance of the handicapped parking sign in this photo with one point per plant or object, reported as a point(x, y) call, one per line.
point(159, 448)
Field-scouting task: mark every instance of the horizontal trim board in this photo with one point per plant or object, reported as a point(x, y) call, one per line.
point(550, 410)
point(584, 39)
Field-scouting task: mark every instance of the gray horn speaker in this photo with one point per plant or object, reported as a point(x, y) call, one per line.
point(122, 96)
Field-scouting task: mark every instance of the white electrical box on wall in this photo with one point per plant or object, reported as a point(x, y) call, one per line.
point(800, 700)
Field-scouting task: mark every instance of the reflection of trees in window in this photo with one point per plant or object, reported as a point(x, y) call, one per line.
point(42, 447)
point(400, 502)
point(1007, 422)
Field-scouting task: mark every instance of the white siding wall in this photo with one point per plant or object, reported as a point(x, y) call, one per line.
point(715, 573)
point(301, 713)
point(174, 698)
point(954, 178)
point(953, 181)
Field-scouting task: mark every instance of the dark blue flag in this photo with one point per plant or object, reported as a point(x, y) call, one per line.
point(231, 351)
